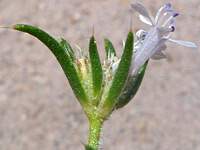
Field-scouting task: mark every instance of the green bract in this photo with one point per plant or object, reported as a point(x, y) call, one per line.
point(131, 88)
point(99, 88)
point(63, 57)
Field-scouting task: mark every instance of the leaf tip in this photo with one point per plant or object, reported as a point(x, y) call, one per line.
point(131, 23)
point(131, 31)
point(12, 27)
point(93, 28)
point(105, 40)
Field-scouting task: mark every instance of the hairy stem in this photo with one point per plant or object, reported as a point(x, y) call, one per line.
point(95, 132)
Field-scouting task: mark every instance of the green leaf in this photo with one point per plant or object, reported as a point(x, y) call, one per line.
point(120, 78)
point(97, 75)
point(132, 87)
point(109, 48)
point(61, 55)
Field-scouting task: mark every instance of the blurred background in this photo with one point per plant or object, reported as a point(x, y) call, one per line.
point(38, 110)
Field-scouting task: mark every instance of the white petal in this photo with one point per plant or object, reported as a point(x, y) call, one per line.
point(162, 47)
point(158, 55)
point(142, 11)
point(184, 43)
point(145, 20)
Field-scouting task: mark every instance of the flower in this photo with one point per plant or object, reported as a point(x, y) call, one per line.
point(148, 45)
point(151, 44)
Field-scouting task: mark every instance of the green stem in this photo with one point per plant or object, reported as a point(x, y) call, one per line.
point(95, 132)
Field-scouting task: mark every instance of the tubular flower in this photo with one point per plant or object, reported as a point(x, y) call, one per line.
point(148, 45)
point(153, 41)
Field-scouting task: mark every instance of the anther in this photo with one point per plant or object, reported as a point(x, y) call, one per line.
point(144, 34)
point(173, 29)
point(175, 14)
point(172, 22)
point(168, 5)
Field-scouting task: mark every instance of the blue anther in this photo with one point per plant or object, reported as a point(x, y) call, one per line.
point(145, 33)
point(169, 11)
point(172, 22)
point(168, 5)
point(175, 14)
point(173, 29)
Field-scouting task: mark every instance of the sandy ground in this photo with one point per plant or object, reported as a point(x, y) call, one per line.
point(38, 110)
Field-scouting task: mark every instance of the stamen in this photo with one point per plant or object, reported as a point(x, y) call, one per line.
point(175, 14)
point(168, 5)
point(145, 33)
point(172, 22)
point(167, 21)
point(168, 35)
point(158, 13)
point(173, 29)
point(161, 19)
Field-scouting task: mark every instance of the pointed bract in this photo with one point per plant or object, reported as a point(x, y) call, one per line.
point(119, 80)
point(131, 88)
point(61, 55)
point(97, 74)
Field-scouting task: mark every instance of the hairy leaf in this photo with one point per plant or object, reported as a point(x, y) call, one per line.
point(60, 54)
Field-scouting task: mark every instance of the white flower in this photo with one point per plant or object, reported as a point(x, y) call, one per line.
point(151, 44)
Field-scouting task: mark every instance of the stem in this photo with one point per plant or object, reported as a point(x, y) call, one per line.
point(95, 131)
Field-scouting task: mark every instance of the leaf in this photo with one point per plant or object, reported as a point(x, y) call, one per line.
point(132, 87)
point(120, 78)
point(109, 48)
point(61, 55)
point(97, 75)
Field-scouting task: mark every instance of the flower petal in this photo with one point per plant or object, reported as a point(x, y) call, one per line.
point(159, 48)
point(145, 20)
point(158, 55)
point(147, 17)
point(162, 47)
point(184, 43)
